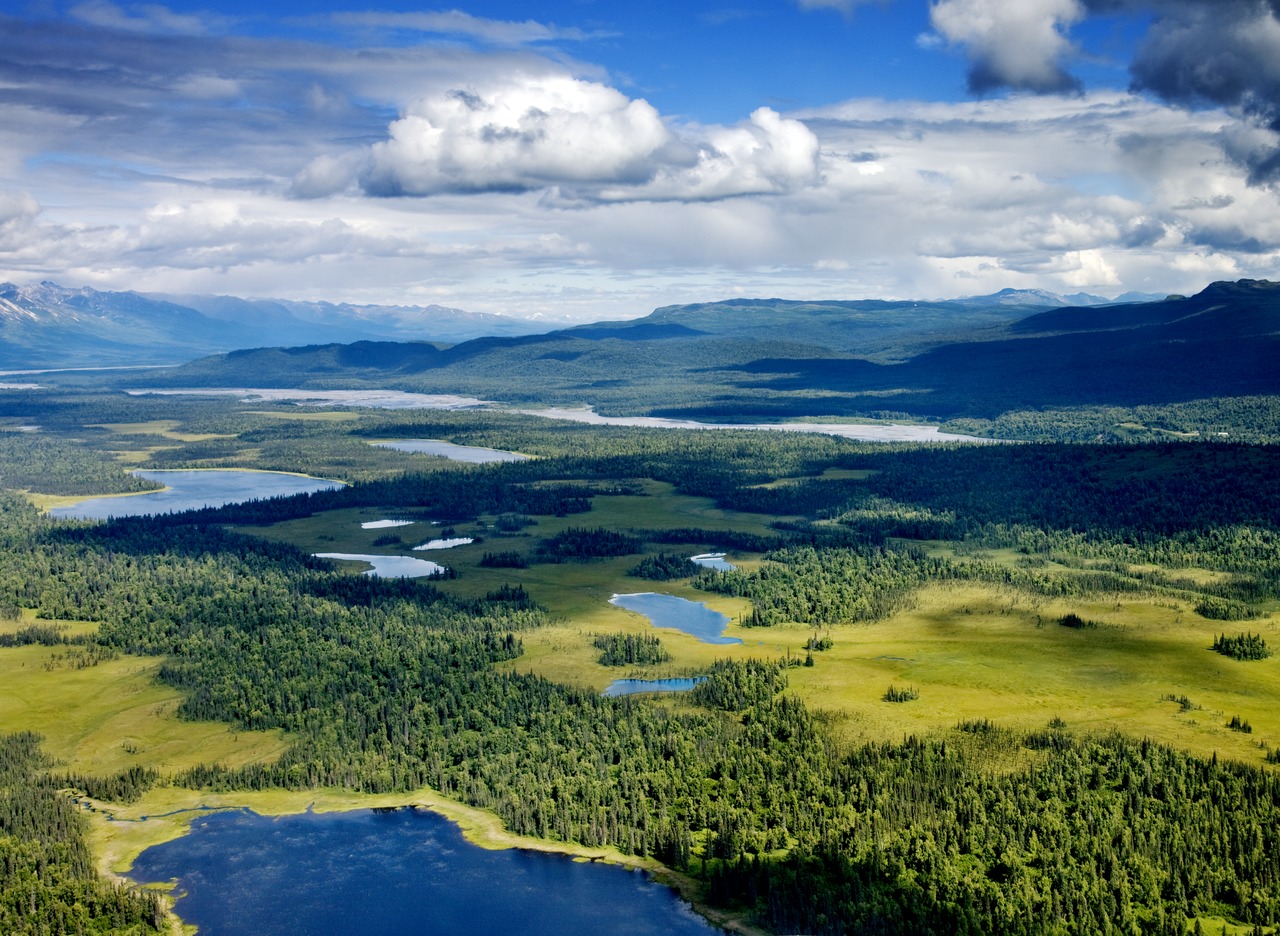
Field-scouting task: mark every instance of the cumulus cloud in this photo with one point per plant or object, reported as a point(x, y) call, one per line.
point(522, 134)
point(580, 140)
point(1019, 45)
point(18, 211)
point(1085, 191)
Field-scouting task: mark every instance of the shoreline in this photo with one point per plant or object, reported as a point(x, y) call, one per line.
point(118, 834)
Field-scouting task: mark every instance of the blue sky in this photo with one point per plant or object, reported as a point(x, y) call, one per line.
point(578, 159)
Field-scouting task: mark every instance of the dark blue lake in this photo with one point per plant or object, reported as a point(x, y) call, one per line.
point(190, 489)
point(405, 871)
point(692, 617)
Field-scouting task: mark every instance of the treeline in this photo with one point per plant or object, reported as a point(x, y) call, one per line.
point(127, 786)
point(1253, 419)
point(1100, 835)
point(48, 883)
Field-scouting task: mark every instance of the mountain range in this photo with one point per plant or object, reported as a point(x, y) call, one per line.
point(760, 359)
point(46, 325)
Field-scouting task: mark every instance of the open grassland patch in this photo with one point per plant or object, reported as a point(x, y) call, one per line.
point(321, 416)
point(977, 652)
point(165, 428)
point(105, 718)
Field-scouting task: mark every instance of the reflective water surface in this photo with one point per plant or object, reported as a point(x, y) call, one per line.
point(694, 618)
point(404, 871)
point(193, 488)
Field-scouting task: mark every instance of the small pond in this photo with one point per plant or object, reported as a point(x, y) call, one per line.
point(713, 561)
point(471, 454)
point(389, 566)
point(191, 489)
point(444, 543)
point(621, 687)
point(403, 871)
point(692, 617)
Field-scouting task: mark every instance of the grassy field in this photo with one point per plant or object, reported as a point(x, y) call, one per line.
point(107, 717)
point(164, 428)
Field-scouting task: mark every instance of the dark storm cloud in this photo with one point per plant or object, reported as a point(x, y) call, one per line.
point(1224, 53)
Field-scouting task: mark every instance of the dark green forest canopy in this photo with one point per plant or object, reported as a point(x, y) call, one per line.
point(48, 882)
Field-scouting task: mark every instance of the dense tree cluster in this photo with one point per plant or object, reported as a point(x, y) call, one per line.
point(1242, 646)
point(828, 586)
point(630, 650)
point(33, 461)
point(48, 883)
point(582, 544)
point(663, 567)
point(504, 559)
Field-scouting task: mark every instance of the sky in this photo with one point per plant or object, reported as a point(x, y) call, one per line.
point(583, 160)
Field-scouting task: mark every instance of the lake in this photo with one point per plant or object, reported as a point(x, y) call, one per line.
point(621, 687)
point(389, 566)
point(407, 872)
point(191, 489)
point(694, 618)
point(471, 454)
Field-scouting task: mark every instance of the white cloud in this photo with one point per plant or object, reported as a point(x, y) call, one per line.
point(525, 133)
point(581, 140)
point(1018, 44)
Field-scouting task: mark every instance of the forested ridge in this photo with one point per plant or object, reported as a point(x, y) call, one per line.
point(388, 685)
